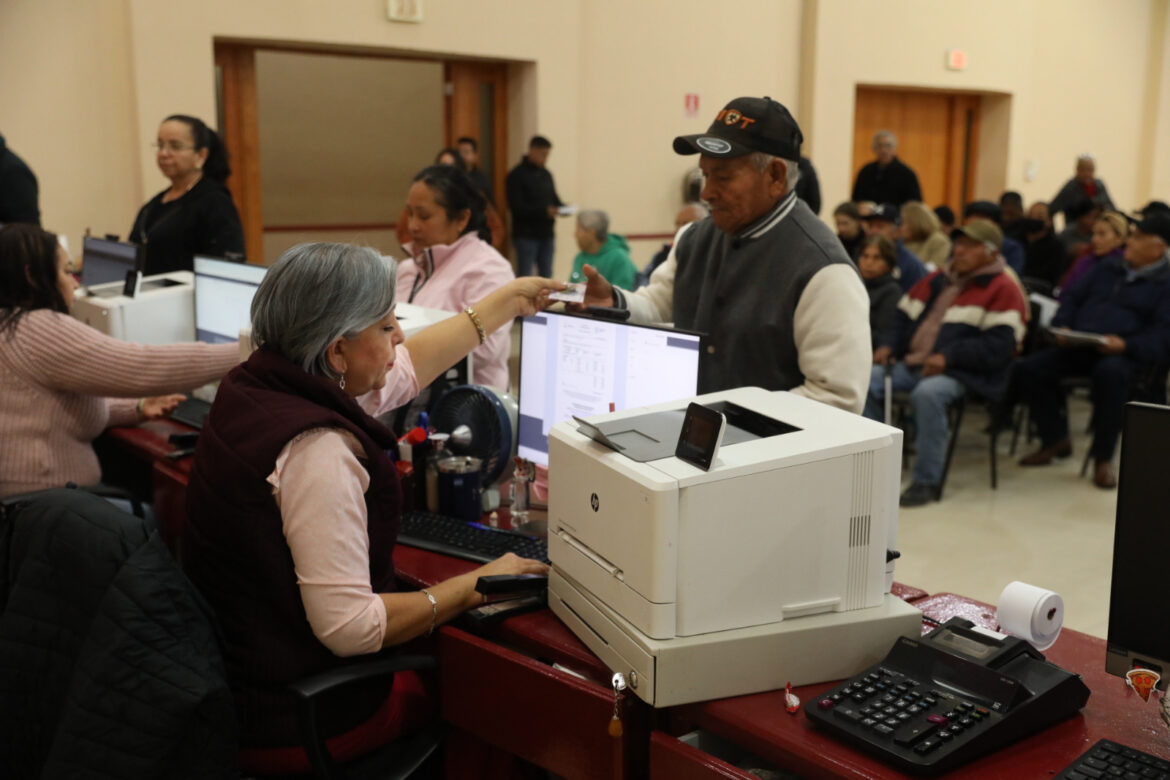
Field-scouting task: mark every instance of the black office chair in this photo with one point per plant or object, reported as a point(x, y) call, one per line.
point(107, 651)
point(955, 412)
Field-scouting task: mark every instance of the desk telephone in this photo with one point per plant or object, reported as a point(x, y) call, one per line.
point(953, 696)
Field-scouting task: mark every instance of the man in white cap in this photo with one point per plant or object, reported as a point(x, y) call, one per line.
point(771, 285)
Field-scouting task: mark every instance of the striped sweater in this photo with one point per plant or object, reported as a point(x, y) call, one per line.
point(62, 383)
point(980, 329)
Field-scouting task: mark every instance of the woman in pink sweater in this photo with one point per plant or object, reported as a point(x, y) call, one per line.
point(61, 382)
point(452, 265)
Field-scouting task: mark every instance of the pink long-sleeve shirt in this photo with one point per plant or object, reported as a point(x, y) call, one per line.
point(319, 483)
point(62, 383)
point(453, 276)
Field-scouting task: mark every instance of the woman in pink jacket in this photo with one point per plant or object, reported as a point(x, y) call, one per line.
point(452, 265)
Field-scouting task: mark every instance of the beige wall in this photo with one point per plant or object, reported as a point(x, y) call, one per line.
point(67, 107)
point(605, 80)
point(1075, 71)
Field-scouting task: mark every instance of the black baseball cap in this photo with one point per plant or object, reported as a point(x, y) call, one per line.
point(1148, 210)
point(887, 211)
point(983, 208)
point(1157, 224)
point(747, 125)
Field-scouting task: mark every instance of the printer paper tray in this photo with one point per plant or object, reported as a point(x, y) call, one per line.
point(805, 650)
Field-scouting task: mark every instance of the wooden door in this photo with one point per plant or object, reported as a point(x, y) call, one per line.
point(235, 67)
point(938, 136)
point(477, 106)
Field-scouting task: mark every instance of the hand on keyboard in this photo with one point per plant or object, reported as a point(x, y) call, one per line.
point(511, 563)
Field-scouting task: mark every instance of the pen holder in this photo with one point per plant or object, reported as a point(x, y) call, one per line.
point(460, 488)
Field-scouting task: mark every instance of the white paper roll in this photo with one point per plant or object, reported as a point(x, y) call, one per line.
point(1031, 613)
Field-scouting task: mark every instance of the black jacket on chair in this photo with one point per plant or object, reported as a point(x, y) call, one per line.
point(109, 665)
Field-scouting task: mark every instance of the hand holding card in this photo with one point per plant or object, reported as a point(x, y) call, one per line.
point(574, 293)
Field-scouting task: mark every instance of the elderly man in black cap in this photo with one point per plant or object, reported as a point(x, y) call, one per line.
point(1127, 302)
point(783, 305)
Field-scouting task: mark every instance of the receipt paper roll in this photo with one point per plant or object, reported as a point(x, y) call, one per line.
point(1031, 613)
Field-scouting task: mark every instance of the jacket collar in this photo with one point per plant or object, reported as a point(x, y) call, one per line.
point(770, 220)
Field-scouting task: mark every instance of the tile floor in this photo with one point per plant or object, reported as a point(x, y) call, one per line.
point(1046, 526)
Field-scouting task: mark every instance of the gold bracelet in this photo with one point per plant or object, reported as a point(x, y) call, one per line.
point(470, 312)
point(434, 610)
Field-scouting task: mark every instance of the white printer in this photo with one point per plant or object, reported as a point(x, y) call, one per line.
point(769, 568)
point(163, 311)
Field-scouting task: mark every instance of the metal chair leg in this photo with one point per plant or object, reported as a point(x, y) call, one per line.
point(956, 413)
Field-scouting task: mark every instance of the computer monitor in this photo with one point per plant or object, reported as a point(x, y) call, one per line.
point(576, 365)
point(1139, 607)
point(223, 298)
point(104, 261)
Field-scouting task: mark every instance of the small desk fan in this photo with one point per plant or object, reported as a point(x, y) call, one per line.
point(482, 423)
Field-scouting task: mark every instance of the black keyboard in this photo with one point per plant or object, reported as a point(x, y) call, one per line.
point(471, 541)
point(1111, 759)
point(191, 412)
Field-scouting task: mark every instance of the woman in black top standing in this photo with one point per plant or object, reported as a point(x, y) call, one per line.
point(195, 215)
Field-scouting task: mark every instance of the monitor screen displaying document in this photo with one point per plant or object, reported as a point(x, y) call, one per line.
point(571, 365)
point(223, 298)
point(104, 261)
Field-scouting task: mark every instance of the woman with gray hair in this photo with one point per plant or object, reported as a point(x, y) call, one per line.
point(294, 504)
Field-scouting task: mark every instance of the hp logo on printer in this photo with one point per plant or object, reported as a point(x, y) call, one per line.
point(593, 501)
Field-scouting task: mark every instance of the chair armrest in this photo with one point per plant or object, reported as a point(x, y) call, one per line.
point(314, 685)
point(309, 688)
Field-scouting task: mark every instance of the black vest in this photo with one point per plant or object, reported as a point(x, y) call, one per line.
point(235, 550)
point(743, 292)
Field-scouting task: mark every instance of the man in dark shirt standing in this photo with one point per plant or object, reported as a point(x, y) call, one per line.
point(533, 201)
point(887, 179)
point(18, 189)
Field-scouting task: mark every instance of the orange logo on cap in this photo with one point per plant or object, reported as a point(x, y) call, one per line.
point(730, 116)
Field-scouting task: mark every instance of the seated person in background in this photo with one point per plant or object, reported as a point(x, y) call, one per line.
point(1011, 210)
point(1110, 232)
point(1044, 257)
point(1012, 250)
point(849, 228)
point(62, 382)
point(1128, 301)
point(1078, 227)
point(957, 330)
point(294, 505)
point(922, 235)
point(808, 188)
point(877, 263)
point(607, 252)
point(884, 220)
point(495, 225)
point(946, 219)
point(451, 264)
point(195, 215)
point(692, 212)
point(1083, 186)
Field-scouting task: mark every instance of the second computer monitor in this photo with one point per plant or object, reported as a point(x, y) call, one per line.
point(104, 261)
point(571, 365)
point(223, 298)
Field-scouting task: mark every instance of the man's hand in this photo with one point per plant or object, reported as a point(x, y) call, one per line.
point(881, 355)
point(598, 292)
point(159, 406)
point(552, 212)
point(935, 364)
point(1114, 345)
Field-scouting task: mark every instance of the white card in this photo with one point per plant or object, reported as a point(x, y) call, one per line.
point(574, 293)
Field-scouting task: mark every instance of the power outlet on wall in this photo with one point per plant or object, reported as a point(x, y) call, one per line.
point(405, 11)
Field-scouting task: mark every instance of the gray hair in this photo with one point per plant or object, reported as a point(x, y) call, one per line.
point(761, 160)
point(595, 221)
point(880, 134)
point(317, 293)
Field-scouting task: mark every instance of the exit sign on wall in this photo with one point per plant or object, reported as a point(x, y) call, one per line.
point(956, 59)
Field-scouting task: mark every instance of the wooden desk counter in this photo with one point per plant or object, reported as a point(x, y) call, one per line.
point(760, 724)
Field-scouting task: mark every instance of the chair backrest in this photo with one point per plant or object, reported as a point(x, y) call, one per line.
point(109, 665)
